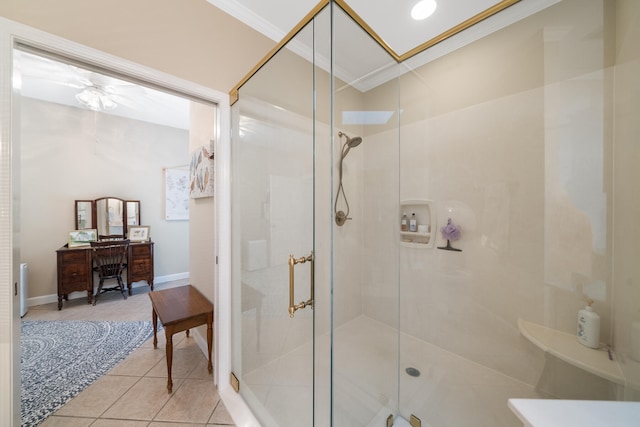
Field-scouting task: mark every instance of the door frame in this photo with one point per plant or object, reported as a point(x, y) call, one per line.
point(11, 33)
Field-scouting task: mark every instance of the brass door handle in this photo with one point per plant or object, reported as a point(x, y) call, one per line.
point(292, 262)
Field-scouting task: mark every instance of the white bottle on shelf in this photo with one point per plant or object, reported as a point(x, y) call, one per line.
point(413, 223)
point(589, 326)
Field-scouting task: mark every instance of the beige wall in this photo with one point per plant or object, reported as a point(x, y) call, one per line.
point(198, 42)
point(202, 238)
point(71, 153)
point(627, 203)
point(513, 138)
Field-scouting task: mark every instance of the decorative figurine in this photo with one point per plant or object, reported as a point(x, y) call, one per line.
point(450, 232)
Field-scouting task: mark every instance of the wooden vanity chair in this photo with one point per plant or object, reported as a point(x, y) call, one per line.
point(110, 259)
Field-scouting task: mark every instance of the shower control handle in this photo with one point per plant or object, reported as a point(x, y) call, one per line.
point(341, 218)
point(309, 303)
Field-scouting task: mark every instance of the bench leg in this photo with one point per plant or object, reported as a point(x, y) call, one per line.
point(210, 339)
point(169, 350)
point(154, 316)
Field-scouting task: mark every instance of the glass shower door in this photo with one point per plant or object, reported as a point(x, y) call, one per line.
point(273, 244)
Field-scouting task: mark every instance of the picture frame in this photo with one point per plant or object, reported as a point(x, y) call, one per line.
point(79, 238)
point(139, 233)
point(176, 192)
point(201, 172)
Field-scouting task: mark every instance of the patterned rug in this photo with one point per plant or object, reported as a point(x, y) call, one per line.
point(61, 358)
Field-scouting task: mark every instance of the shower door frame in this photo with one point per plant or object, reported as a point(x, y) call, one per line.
point(273, 252)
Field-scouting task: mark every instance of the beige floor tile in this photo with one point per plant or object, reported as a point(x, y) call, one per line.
point(139, 362)
point(177, 339)
point(142, 401)
point(98, 397)
point(55, 421)
point(220, 416)
point(149, 343)
point(185, 358)
point(201, 370)
point(171, 424)
point(184, 341)
point(194, 401)
point(119, 423)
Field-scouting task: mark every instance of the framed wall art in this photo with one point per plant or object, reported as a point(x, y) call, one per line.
point(139, 233)
point(176, 194)
point(79, 238)
point(201, 173)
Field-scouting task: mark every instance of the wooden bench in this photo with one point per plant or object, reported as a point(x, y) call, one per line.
point(181, 309)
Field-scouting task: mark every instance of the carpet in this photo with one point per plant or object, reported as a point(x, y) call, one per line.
point(61, 358)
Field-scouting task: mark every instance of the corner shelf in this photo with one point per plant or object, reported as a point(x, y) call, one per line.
point(425, 212)
point(566, 347)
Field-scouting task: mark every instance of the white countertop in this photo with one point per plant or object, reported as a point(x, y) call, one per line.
point(576, 413)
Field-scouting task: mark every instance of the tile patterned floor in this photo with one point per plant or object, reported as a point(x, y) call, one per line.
point(134, 394)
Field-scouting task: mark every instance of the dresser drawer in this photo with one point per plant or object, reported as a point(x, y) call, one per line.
point(78, 256)
point(140, 250)
point(75, 274)
point(140, 266)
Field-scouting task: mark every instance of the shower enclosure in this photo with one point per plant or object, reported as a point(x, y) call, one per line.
point(520, 136)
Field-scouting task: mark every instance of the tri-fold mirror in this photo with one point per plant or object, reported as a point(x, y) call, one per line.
point(111, 216)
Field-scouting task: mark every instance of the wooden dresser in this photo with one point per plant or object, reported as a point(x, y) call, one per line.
point(75, 269)
point(140, 264)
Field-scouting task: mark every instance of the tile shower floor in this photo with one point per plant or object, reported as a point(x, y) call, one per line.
point(450, 391)
point(134, 392)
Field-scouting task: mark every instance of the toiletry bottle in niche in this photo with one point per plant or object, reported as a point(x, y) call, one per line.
point(413, 223)
point(404, 223)
point(589, 326)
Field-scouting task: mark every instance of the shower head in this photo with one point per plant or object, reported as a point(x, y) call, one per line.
point(340, 216)
point(351, 143)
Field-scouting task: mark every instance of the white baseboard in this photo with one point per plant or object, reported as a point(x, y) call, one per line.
point(47, 299)
point(170, 278)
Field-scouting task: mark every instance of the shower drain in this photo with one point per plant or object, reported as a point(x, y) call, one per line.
point(412, 372)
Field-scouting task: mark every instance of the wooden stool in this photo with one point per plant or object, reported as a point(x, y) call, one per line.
point(180, 309)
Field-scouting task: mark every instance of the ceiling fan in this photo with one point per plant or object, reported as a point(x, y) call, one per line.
point(76, 85)
point(97, 98)
point(39, 76)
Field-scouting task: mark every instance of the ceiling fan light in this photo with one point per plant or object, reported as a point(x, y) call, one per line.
point(423, 9)
point(96, 99)
point(89, 99)
point(107, 103)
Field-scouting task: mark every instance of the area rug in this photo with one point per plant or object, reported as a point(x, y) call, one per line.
point(61, 358)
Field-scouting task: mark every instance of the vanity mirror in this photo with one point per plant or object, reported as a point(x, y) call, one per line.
point(108, 218)
point(84, 214)
point(111, 216)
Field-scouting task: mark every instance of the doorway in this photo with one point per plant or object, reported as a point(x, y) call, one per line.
point(12, 35)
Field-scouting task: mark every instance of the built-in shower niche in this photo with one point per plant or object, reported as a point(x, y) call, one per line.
point(424, 236)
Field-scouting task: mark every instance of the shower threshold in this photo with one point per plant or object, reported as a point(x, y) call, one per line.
point(400, 422)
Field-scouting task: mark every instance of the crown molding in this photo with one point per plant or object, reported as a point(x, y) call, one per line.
point(496, 22)
point(250, 18)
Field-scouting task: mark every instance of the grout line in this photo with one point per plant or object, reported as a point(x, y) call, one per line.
point(119, 397)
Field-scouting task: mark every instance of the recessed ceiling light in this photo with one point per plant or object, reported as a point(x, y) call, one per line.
point(423, 9)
